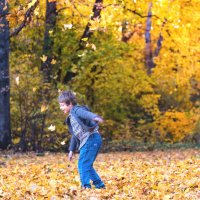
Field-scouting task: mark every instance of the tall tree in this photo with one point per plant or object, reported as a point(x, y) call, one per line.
point(5, 133)
point(28, 13)
point(46, 67)
point(50, 23)
point(98, 6)
point(148, 49)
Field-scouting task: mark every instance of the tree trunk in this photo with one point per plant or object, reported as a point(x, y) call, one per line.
point(126, 34)
point(98, 6)
point(5, 133)
point(149, 54)
point(46, 67)
point(159, 45)
point(50, 23)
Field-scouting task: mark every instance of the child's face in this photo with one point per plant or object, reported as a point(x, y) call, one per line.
point(65, 108)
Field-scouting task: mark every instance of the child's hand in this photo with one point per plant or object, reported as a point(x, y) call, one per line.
point(70, 155)
point(98, 119)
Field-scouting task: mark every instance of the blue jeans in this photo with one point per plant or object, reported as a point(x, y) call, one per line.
point(88, 154)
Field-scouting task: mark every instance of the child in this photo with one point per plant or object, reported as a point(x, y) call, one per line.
point(83, 126)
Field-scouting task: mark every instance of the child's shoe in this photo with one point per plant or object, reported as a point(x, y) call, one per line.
point(99, 184)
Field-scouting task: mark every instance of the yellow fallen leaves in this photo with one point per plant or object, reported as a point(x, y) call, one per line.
point(139, 175)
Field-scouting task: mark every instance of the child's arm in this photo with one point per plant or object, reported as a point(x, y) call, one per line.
point(72, 147)
point(70, 155)
point(73, 143)
point(88, 115)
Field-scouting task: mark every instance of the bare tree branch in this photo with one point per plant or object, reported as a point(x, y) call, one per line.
point(26, 20)
point(136, 13)
point(98, 5)
point(128, 9)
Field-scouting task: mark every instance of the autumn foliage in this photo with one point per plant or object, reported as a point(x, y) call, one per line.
point(136, 63)
point(139, 175)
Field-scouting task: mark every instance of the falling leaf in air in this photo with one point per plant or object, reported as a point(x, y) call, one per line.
point(93, 47)
point(52, 127)
point(43, 58)
point(34, 89)
point(53, 62)
point(44, 107)
point(68, 26)
point(84, 39)
point(17, 80)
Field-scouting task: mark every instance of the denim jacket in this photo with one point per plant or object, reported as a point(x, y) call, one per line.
point(85, 118)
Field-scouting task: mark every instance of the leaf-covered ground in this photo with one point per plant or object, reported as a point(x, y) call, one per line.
point(139, 175)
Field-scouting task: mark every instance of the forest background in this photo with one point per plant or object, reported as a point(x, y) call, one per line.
point(136, 63)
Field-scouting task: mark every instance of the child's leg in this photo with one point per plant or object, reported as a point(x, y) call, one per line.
point(87, 157)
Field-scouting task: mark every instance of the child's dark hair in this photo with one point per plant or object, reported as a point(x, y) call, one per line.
point(67, 97)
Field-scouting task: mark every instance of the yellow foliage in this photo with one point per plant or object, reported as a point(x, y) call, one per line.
point(139, 175)
point(109, 72)
point(150, 104)
point(178, 124)
point(94, 24)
